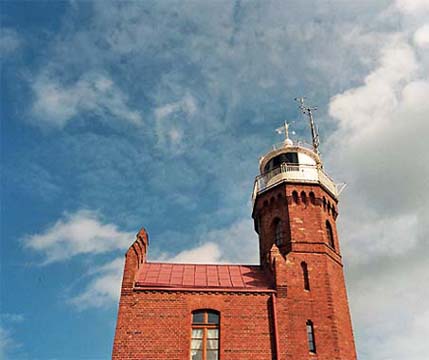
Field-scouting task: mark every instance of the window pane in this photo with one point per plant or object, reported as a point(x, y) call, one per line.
point(212, 333)
point(197, 333)
point(212, 355)
point(198, 317)
point(213, 318)
point(212, 344)
point(196, 355)
point(196, 344)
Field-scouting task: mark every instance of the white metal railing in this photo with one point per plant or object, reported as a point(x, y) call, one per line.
point(293, 173)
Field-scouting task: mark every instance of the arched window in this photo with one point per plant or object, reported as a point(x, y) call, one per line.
point(205, 335)
point(305, 276)
point(295, 197)
point(310, 337)
point(330, 234)
point(312, 198)
point(278, 232)
point(304, 197)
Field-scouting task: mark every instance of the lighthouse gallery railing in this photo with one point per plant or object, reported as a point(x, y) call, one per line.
point(293, 173)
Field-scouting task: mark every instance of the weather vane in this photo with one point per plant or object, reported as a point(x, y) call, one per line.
point(308, 111)
point(285, 129)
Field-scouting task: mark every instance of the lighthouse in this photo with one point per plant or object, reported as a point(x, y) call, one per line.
point(291, 306)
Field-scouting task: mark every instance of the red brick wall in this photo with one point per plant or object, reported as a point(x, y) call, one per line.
point(157, 325)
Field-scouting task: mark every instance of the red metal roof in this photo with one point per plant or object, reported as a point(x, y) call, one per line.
point(202, 277)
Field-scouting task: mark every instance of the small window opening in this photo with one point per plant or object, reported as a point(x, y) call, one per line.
point(310, 337)
point(305, 276)
point(278, 232)
point(330, 234)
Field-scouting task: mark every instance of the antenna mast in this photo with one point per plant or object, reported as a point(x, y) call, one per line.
point(309, 112)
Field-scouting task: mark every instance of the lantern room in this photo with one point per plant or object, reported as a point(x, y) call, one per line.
point(292, 162)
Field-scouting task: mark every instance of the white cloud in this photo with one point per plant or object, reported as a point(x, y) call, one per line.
point(364, 111)
point(104, 288)
point(10, 41)
point(375, 235)
point(391, 310)
point(412, 6)
point(75, 234)
point(421, 36)
point(379, 149)
point(57, 103)
point(236, 243)
point(207, 253)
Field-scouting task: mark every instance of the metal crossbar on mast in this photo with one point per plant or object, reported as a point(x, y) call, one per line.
point(309, 112)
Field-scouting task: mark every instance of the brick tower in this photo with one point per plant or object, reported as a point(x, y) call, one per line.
point(295, 210)
point(293, 306)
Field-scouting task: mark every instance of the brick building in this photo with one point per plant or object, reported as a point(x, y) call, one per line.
point(291, 306)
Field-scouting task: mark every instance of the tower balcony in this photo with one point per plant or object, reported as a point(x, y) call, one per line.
point(294, 173)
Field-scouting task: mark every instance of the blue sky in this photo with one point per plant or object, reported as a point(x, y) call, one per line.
point(117, 115)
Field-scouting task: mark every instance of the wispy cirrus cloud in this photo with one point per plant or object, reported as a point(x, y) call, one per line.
point(173, 121)
point(10, 41)
point(56, 103)
point(8, 344)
